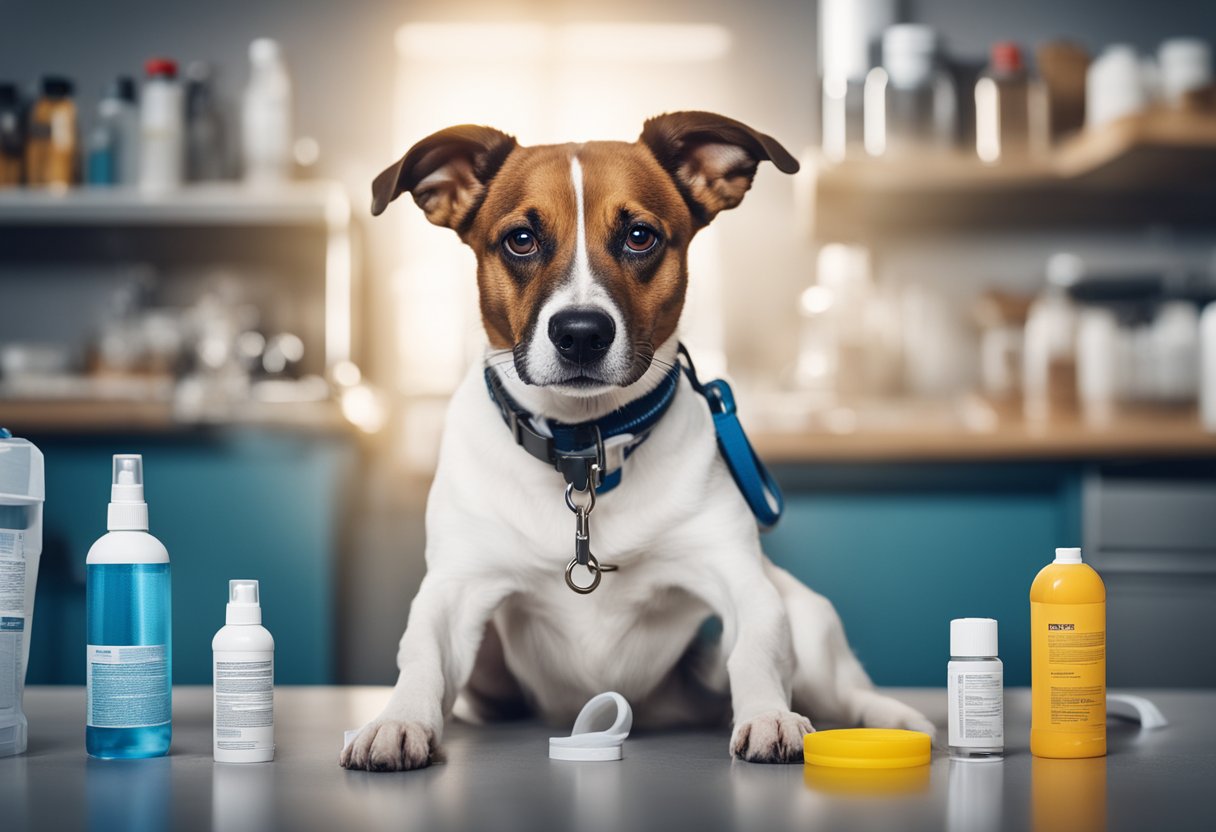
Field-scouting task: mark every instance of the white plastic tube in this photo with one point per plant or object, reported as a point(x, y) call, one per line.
point(22, 491)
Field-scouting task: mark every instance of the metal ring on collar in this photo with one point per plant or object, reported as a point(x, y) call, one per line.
point(593, 566)
point(575, 507)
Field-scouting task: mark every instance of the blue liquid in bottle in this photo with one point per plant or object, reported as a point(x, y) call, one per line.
point(129, 607)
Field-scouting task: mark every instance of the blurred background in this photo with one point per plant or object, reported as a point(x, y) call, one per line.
point(972, 329)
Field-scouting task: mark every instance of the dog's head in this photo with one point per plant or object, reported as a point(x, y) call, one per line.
point(582, 249)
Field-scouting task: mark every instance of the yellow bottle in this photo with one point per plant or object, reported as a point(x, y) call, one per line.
point(1068, 659)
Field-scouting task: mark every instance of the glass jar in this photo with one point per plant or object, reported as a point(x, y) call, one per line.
point(910, 101)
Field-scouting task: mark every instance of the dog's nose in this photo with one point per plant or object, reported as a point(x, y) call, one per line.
point(581, 335)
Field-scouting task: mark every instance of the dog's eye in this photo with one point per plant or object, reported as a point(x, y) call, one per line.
point(640, 239)
point(521, 242)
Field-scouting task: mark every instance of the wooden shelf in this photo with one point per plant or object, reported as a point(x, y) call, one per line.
point(1150, 169)
point(1145, 435)
point(226, 203)
point(27, 418)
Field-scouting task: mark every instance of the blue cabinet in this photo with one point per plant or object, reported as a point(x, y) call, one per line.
point(232, 504)
point(902, 549)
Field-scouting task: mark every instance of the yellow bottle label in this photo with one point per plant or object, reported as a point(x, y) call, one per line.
point(1068, 665)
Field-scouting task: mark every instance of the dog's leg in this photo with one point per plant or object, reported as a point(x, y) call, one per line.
point(492, 693)
point(446, 624)
point(829, 681)
point(760, 660)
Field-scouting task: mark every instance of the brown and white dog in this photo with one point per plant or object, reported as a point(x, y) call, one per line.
point(582, 268)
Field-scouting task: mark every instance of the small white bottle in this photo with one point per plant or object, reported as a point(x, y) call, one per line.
point(976, 690)
point(266, 128)
point(162, 128)
point(243, 681)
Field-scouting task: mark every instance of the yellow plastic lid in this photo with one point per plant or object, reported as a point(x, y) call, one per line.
point(867, 748)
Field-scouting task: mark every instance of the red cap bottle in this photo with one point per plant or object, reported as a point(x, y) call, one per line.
point(161, 68)
point(1006, 57)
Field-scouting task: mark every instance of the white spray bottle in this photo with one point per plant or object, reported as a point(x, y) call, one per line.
point(243, 681)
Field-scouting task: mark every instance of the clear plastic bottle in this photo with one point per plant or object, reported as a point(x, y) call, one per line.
point(101, 152)
point(243, 681)
point(848, 35)
point(129, 652)
point(976, 690)
point(910, 103)
point(266, 127)
point(1010, 109)
point(1049, 368)
point(125, 123)
point(206, 146)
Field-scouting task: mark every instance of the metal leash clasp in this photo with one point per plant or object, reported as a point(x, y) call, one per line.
point(582, 536)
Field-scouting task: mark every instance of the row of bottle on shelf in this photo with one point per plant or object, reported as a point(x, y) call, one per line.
point(155, 137)
point(1096, 341)
point(1105, 335)
point(892, 89)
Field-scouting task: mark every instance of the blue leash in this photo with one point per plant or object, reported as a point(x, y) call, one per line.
point(757, 485)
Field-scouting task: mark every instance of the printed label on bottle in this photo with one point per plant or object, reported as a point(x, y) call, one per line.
point(12, 616)
point(12, 543)
point(12, 584)
point(127, 686)
point(244, 700)
point(1069, 657)
point(976, 692)
point(12, 628)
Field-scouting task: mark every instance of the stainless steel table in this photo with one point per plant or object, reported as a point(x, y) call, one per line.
point(500, 778)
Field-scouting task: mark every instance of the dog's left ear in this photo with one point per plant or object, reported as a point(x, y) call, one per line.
point(712, 158)
point(447, 172)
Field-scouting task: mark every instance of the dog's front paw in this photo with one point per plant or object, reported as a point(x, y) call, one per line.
point(770, 737)
point(391, 745)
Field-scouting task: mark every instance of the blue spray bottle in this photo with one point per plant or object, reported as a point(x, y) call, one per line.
point(129, 652)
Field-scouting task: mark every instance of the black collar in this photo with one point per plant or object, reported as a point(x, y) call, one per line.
point(574, 449)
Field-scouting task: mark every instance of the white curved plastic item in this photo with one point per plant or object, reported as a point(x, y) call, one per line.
point(585, 744)
point(1135, 708)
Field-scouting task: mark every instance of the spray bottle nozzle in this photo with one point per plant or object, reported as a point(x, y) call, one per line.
point(125, 471)
point(243, 592)
point(244, 604)
point(128, 476)
point(127, 507)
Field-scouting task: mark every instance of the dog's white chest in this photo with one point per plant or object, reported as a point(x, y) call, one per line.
point(626, 637)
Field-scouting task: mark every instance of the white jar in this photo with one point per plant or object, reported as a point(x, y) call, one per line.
point(1114, 86)
point(162, 128)
point(266, 123)
point(1186, 64)
point(976, 689)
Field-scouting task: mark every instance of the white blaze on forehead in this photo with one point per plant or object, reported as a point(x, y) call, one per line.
point(580, 290)
point(582, 263)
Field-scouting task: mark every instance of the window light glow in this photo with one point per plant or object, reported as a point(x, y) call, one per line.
point(659, 42)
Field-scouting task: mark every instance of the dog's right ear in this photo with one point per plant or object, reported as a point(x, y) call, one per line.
point(447, 173)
